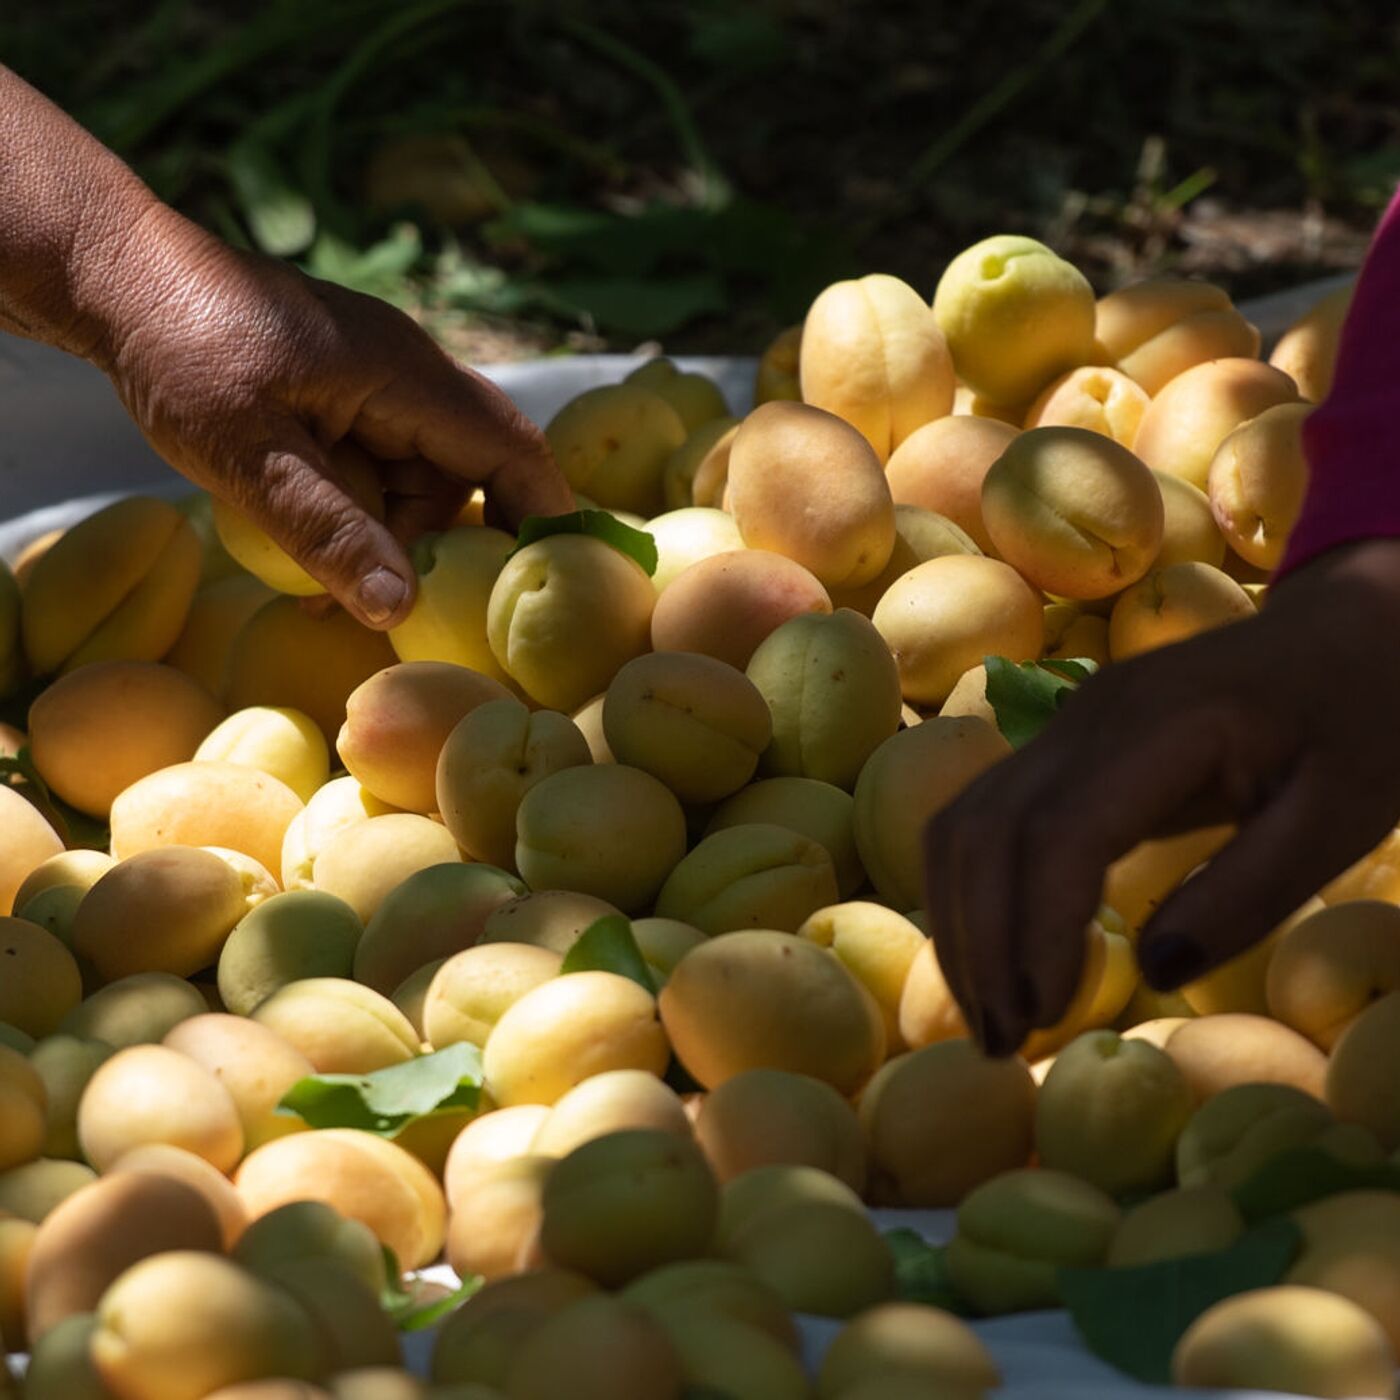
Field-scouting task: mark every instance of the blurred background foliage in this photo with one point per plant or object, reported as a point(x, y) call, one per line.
point(529, 176)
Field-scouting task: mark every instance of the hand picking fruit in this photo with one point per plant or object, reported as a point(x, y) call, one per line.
point(327, 418)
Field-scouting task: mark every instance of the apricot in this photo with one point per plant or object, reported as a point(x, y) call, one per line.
point(1240, 983)
point(1076, 513)
point(185, 1323)
point(720, 1351)
point(204, 804)
point(613, 441)
point(495, 1136)
point(255, 1065)
point(763, 1117)
point(1106, 983)
point(1215, 1052)
point(819, 1257)
point(362, 1176)
point(352, 1331)
point(1375, 876)
point(1110, 1111)
point(725, 605)
point(24, 1100)
point(65, 1063)
point(565, 614)
point(1358, 1088)
point(26, 841)
point(713, 1289)
point(1238, 1130)
point(397, 721)
point(833, 692)
point(1095, 398)
point(913, 1341)
point(283, 656)
point(340, 803)
point(689, 720)
point(554, 919)
point(218, 612)
point(808, 806)
point(695, 397)
point(61, 1365)
point(1286, 1338)
point(663, 943)
point(877, 946)
point(607, 830)
point(777, 374)
point(432, 914)
point(456, 573)
point(1137, 884)
point(845, 534)
point(41, 982)
point(99, 728)
point(491, 758)
point(567, 1029)
point(78, 869)
point(761, 1192)
point(1017, 1230)
point(589, 719)
point(134, 1010)
point(281, 742)
point(161, 1159)
point(905, 1110)
point(114, 587)
point(1257, 480)
point(165, 909)
point(763, 999)
point(1174, 1224)
point(598, 1348)
point(1188, 419)
point(1015, 317)
point(1171, 604)
point(685, 536)
point(941, 467)
point(12, 661)
point(702, 458)
point(912, 775)
point(495, 1222)
point(1307, 350)
point(1157, 329)
point(91, 1238)
point(474, 988)
point(621, 1100)
point(873, 354)
point(291, 936)
point(1189, 531)
point(363, 863)
point(947, 615)
point(148, 1093)
point(747, 877)
point(339, 1025)
point(919, 535)
point(1072, 635)
point(311, 1230)
point(928, 1012)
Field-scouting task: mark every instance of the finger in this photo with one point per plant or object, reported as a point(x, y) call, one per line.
point(418, 498)
point(1280, 857)
point(461, 422)
point(291, 491)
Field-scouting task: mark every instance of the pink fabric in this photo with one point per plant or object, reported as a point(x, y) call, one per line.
point(1352, 441)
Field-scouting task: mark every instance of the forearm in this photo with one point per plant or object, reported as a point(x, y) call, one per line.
point(1351, 444)
point(73, 224)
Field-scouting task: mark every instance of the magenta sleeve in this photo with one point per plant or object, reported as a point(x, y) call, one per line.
point(1352, 441)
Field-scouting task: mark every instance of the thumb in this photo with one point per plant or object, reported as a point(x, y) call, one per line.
point(291, 491)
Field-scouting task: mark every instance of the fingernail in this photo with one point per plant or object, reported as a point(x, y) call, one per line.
point(380, 594)
point(1169, 959)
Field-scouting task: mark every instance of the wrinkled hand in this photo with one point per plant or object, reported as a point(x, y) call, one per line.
point(1286, 724)
point(256, 382)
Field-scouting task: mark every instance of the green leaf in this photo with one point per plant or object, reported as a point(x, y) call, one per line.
point(1301, 1175)
point(635, 544)
point(378, 270)
point(1026, 696)
point(1134, 1317)
point(607, 945)
point(393, 1295)
point(921, 1272)
point(281, 219)
point(418, 1317)
point(388, 1100)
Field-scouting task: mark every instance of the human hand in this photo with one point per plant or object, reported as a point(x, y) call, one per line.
point(1285, 724)
point(257, 383)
